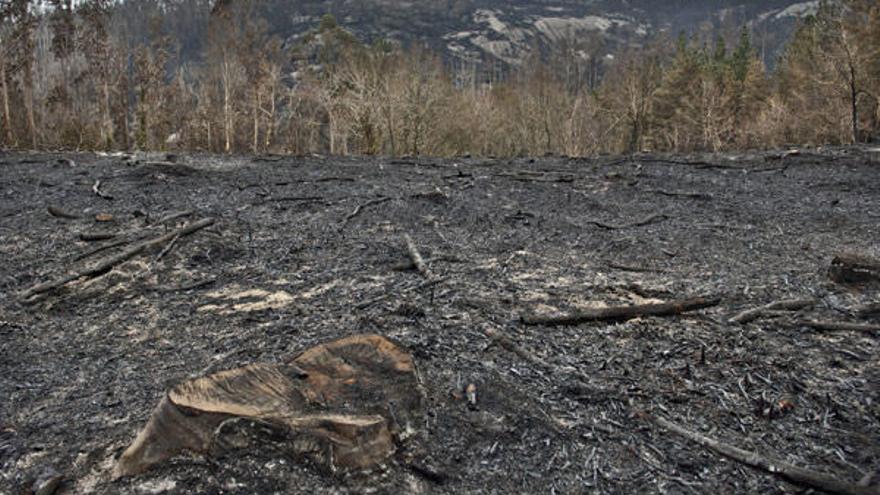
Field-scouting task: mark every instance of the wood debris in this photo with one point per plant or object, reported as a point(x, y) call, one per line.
point(622, 313)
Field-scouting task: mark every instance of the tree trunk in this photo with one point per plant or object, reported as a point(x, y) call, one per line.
point(107, 125)
point(270, 127)
point(256, 113)
point(7, 119)
point(227, 118)
point(854, 96)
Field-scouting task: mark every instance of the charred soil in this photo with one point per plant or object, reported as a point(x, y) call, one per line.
point(305, 250)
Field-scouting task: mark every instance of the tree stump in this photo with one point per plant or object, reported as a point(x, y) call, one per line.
point(339, 405)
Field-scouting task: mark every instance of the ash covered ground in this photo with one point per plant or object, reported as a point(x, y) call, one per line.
point(306, 250)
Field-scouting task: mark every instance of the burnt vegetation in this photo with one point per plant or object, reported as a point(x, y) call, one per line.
point(549, 352)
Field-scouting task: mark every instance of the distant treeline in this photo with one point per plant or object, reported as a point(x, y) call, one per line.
point(69, 80)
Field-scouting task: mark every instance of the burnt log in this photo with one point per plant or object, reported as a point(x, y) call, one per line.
point(622, 313)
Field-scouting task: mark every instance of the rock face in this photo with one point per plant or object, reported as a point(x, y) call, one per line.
point(339, 405)
point(486, 31)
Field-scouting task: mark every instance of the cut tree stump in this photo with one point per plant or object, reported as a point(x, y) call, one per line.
point(338, 405)
point(854, 269)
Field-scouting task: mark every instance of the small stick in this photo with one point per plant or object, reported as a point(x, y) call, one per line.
point(786, 305)
point(789, 472)
point(58, 212)
point(680, 194)
point(97, 190)
point(635, 269)
point(174, 216)
point(306, 199)
point(838, 325)
point(96, 236)
point(505, 342)
point(106, 264)
point(192, 285)
point(99, 249)
point(167, 248)
point(622, 313)
point(358, 209)
point(648, 220)
point(385, 296)
point(416, 257)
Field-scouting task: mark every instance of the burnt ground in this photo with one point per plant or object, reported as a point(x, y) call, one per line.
point(282, 270)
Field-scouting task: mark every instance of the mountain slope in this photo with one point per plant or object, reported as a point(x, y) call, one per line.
point(510, 30)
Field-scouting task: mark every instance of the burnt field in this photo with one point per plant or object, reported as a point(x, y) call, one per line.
point(302, 251)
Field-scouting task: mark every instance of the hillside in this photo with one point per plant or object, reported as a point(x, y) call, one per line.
point(508, 30)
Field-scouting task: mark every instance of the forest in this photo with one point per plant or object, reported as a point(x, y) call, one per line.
point(84, 76)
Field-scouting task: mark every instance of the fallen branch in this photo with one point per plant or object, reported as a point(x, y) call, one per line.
point(101, 194)
point(622, 313)
point(105, 265)
point(58, 212)
point(657, 217)
point(416, 257)
point(838, 325)
point(789, 472)
point(786, 305)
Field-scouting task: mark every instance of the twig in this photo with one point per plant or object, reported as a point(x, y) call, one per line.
point(58, 212)
point(167, 248)
point(505, 342)
point(267, 158)
point(634, 269)
point(96, 236)
point(838, 325)
point(787, 305)
point(784, 470)
point(99, 249)
point(416, 257)
point(657, 217)
point(387, 295)
point(621, 313)
point(360, 207)
point(174, 216)
point(580, 380)
point(97, 190)
point(106, 264)
point(679, 194)
point(192, 285)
